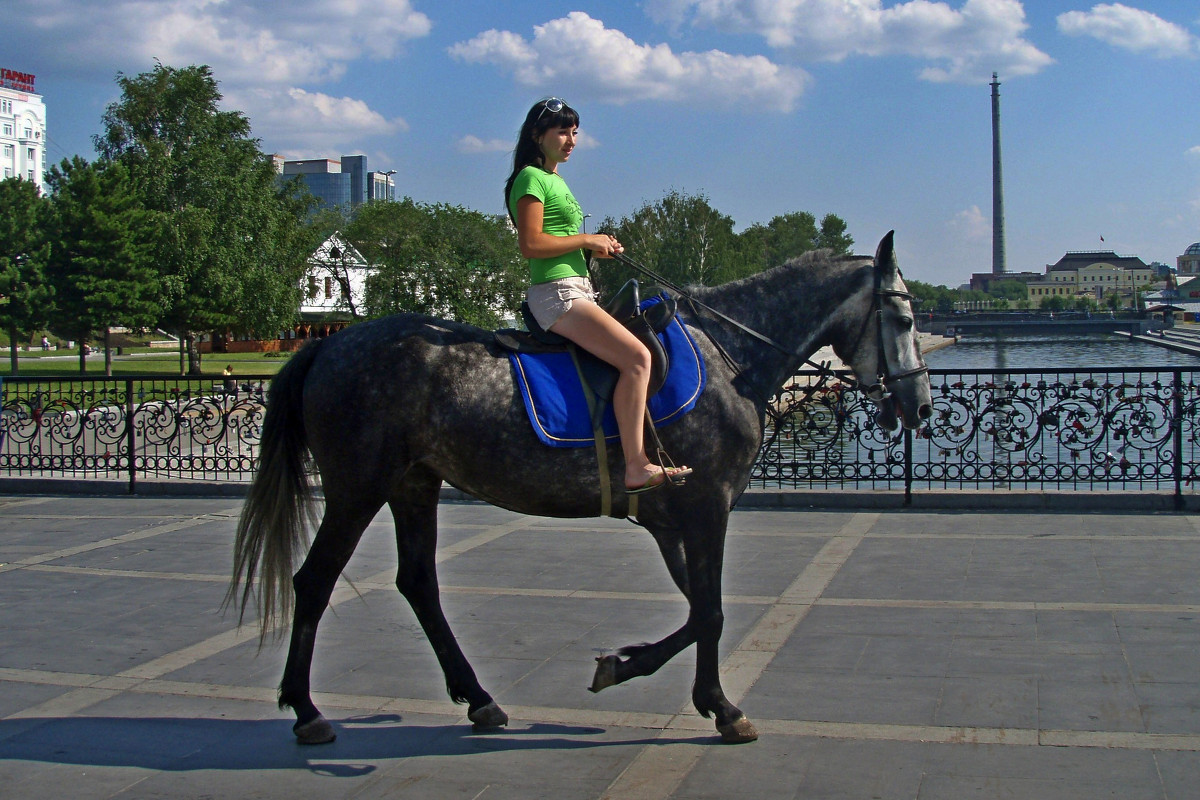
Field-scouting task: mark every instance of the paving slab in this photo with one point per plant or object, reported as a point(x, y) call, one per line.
point(912, 654)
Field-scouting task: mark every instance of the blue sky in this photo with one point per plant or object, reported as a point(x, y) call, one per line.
point(876, 111)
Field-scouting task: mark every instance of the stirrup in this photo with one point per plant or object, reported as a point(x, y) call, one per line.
point(665, 462)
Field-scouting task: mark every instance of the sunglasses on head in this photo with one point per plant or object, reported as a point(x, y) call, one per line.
point(553, 105)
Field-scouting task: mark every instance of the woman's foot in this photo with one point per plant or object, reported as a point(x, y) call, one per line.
point(655, 476)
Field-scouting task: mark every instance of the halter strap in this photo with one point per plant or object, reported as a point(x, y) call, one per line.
point(878, 391)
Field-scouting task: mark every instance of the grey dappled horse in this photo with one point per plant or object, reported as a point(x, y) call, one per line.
point(390, 409)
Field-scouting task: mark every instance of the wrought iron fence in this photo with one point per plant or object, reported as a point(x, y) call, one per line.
point(152, 427)
point(1093, 430)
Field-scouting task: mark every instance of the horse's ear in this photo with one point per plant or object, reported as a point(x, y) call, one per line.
point(885, 255)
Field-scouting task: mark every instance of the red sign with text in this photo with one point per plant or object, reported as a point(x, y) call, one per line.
point(21, 81)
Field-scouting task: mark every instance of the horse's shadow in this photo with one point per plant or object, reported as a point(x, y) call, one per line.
point(177, 744)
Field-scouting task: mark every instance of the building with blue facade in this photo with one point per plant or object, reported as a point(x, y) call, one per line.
point(344, 183)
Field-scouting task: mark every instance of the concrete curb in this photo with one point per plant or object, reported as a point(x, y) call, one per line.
point(940, 500)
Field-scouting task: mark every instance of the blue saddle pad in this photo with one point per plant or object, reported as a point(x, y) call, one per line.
point(558, 408)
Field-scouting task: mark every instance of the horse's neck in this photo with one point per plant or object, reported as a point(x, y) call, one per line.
point(803, 305)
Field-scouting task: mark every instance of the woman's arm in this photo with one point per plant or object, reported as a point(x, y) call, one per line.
point(536, 243)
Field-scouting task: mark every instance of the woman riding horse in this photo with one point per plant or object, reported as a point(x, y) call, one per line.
point(560, 296)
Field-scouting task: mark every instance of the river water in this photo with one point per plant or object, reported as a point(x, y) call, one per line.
point(1034, 351)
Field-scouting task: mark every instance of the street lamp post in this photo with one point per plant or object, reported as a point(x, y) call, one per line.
point(387, 183)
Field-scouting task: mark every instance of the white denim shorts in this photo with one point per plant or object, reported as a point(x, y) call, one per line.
point(550, 300)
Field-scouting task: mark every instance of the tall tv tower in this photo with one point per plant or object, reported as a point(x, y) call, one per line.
point(999, 264)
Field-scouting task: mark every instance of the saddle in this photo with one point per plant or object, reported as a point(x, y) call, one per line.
point(598, 377)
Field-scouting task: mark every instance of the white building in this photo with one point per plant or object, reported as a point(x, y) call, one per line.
point(335, 283)
point(22, 128)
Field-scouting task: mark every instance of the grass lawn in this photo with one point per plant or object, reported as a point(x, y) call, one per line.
point(136, 361)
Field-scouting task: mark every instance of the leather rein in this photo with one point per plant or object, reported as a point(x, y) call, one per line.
point(876, 392)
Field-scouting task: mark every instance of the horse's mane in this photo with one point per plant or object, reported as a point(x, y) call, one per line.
point(814, 264)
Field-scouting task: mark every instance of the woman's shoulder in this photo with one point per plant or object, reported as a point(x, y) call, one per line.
point(531, 180)
point(533, 174)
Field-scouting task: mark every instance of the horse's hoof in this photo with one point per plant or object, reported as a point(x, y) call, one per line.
point(740, 731)
point(606, 673)
point(489, 716)
point(315, 731)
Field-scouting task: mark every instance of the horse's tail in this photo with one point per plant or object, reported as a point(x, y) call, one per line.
point(272, 528)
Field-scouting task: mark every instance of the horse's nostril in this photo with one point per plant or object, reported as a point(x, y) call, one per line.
point(925, 411)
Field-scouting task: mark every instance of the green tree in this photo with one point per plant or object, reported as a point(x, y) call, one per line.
point(784, 237)
point(442, 260)
point(1114, 301)
point(100, 261)
point(833, 235)
point(25, 294)
point(1009, 290)
point(1083, 303)
point(681, 237)
point(1054, 302)
point(233, 248)
point(932, 299)
point(790, 235)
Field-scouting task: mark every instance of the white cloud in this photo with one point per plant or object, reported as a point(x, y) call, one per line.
point(473, 145)
point(1130, 29)
point(1194, 151)
point(242, 40)
point(580, 53)
point(259, 51)
point(972, 224)
point(310, 122)
point(965, 45)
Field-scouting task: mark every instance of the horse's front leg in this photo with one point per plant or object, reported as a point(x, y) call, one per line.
point(416, 541)
point(705, 557)
point(645, 659)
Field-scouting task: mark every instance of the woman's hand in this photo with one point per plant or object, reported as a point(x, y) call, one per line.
point(536, 243)
point(604, 245)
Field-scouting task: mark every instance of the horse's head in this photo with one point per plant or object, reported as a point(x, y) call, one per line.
point(886, 357)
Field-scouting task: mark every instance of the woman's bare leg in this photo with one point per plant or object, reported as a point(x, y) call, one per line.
point(595, 330)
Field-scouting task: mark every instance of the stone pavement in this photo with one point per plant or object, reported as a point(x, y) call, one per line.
point(893, 654)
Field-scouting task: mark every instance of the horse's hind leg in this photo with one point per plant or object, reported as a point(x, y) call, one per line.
point(341, 528)
point(415, 513)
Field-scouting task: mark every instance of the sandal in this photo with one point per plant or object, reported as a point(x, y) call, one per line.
point(674, 475)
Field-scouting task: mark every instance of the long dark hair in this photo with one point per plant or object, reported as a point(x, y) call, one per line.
point(539, 120)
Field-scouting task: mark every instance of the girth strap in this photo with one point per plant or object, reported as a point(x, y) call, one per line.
point(606, 499)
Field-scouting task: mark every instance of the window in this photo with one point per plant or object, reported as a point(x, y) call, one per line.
point(8, 151)
point(31, 153)
point(8, 172)
point(328, 288)
point(8, 130)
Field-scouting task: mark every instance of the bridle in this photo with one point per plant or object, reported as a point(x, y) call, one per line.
point(879, 391)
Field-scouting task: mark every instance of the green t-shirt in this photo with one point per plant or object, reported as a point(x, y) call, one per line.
point(561, 216)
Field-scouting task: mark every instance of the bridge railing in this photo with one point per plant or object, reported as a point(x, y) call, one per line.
point(152, 427)
point(1050, 429)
